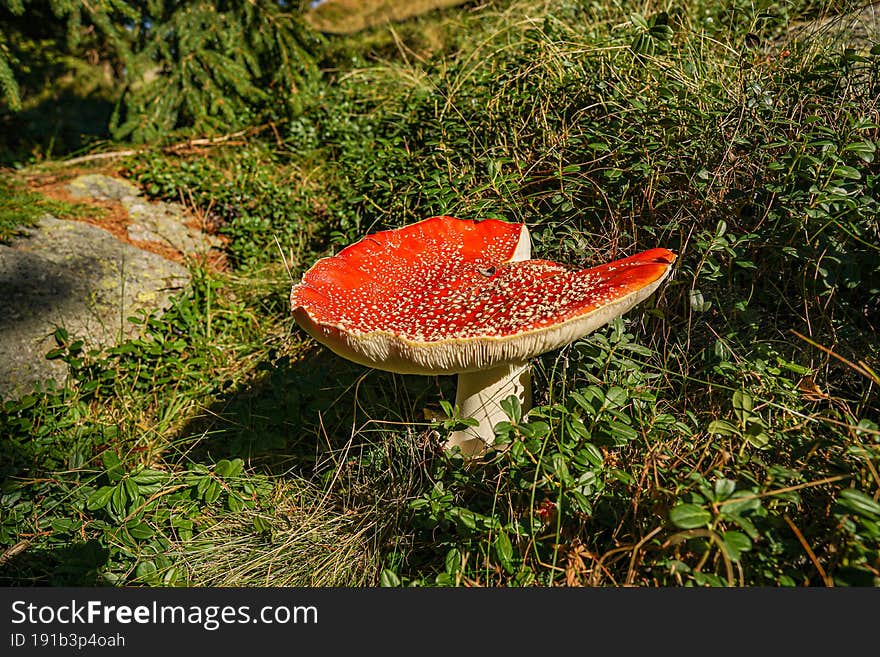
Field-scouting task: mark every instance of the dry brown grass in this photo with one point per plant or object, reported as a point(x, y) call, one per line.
point(350, 16)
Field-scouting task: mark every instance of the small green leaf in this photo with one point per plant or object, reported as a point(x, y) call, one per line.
point(857, 501)
point(444, 579)
point(465, 517)
point(131, 488)
point(576, 428)
point(560, 469)
point(212, 492)
point(234, 503)
point(689, 516)
point(698, 303)
point(581, 401)
point(504, 550)
point(746, 525)
point(616, 396)
point(472, 520)
point(756, 435)
point(742, 405)
point(236, 467)
point(722, 428)
point(118, 499)
point(147, 477)
point(740, 502)
point(502, 429)
point(581, 502)
point(592, 454)
point(170, 576)
point(388, 578)
point(865, 149)
point(622, 431)
point(735, 543)
point(708, 579)
point(145, 570)
point(100, 498)
point(112, 465)
point(65, 525)
point(535, 429)
point(622, 476)
point(140, 530)
point(723, 489)
point(453, 561)
point(850, 173)
point(662, 32)
point(513, 408)
point(448, 410)
point(639, 21)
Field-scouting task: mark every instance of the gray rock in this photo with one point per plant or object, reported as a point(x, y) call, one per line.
point(77, 276)
point(73, 275)
point(857, 29)
point(164, 223)
point(103, 188)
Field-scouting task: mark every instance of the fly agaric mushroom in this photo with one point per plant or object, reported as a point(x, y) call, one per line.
point(453, 296)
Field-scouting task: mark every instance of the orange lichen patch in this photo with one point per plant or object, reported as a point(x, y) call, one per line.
point(112, 216)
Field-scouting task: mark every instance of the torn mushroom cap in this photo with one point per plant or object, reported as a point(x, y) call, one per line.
point(443, 296)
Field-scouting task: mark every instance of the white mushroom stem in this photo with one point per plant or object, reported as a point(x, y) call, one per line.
point(479, 396)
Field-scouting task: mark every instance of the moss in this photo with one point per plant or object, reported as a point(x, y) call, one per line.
point(21, 207)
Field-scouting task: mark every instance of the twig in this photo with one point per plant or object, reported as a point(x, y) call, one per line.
point(787, 489)
point(861, 368)
point(635, 552)
point(680, 537)
point(601, 562)
point(102, 156)
point(283, 259)
point(189, 143)
point(15, 550)
point(797, 532)
point(152, 497)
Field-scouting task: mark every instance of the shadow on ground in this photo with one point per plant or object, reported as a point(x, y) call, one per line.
point(299, 413)
point(78, 564)
point(63, 123)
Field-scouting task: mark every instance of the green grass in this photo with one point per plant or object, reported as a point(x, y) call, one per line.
point(697, 442)
point(22, 208)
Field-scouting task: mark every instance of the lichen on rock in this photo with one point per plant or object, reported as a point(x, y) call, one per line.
point(77, 276)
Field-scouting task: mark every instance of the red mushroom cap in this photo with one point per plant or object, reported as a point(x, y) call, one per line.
point(444, 296)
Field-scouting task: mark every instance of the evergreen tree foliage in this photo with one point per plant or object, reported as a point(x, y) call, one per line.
point(8, 86)
point(191, 64)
